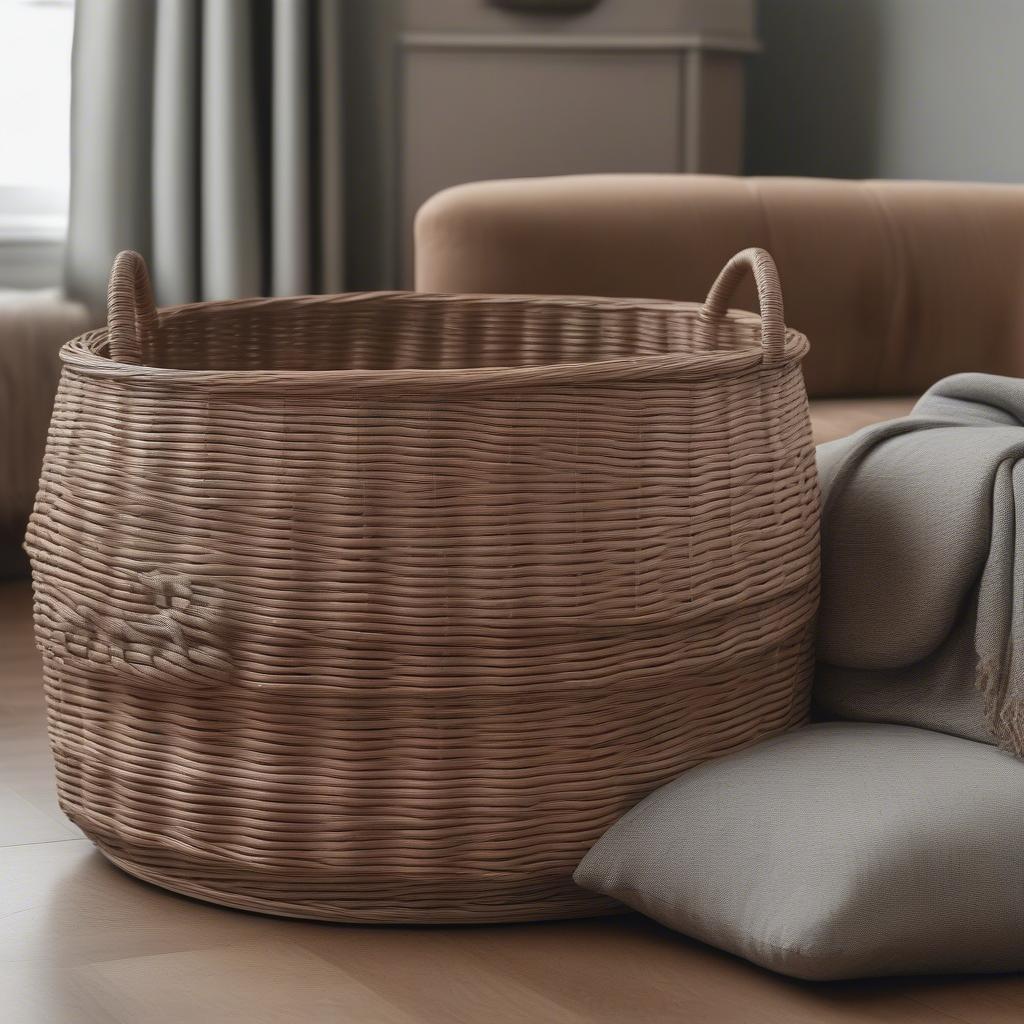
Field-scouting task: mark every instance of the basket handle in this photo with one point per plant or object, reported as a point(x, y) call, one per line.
point(769, 296)
point(131, 313)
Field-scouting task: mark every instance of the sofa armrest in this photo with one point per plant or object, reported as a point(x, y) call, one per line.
point(33, 326)
point(895, 283)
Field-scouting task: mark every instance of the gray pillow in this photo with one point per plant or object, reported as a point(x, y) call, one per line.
point(841, 850)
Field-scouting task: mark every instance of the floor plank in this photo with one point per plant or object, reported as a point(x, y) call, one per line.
point(82, 943)
point(272, 982)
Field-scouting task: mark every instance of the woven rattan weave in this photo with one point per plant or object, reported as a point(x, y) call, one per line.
point(381, 607)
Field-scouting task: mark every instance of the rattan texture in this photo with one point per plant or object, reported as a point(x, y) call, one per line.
point(382, 607)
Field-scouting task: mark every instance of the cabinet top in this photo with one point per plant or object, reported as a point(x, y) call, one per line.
point(719, 19)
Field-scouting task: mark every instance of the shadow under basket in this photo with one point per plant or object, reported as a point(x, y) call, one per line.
point(383, 607)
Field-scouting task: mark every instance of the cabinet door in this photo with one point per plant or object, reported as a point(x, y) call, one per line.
point(471, 116)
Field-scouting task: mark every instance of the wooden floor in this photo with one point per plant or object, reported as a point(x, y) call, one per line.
point(80, 942)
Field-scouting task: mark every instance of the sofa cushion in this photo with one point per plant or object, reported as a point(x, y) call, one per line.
point(833, 418)
point(840, 850)
point(866, 266)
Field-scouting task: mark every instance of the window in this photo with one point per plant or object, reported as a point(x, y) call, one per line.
point(35, 97)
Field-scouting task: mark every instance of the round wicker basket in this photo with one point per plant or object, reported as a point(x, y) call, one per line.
point(382, 607)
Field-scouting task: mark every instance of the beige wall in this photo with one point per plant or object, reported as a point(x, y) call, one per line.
point(888, 88)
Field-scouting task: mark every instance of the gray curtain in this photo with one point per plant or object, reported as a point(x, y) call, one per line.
point(223, 138)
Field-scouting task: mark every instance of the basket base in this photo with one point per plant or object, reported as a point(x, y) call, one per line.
point(348, 901)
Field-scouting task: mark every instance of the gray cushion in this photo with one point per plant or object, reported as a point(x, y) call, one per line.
point(840, 850)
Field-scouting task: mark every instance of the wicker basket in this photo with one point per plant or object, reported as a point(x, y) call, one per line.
point(382, 607)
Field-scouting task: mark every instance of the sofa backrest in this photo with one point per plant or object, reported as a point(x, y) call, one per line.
point(895, 283)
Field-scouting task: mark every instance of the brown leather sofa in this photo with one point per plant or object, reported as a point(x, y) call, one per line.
point(895, 283)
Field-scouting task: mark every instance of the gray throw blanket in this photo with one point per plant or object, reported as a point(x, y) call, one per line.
point(922, 616)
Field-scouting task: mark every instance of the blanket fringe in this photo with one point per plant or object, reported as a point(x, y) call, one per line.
point(1004, 713)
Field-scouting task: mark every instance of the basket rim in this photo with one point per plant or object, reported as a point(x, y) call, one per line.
point(87, 353)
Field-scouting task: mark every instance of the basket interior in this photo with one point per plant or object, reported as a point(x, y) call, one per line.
point(389, 331)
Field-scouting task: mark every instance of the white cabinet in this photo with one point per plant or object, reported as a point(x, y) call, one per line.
point(630, 85)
